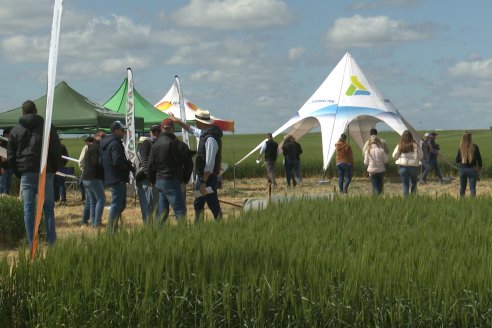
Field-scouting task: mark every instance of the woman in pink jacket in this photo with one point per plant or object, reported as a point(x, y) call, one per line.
point(374, 158)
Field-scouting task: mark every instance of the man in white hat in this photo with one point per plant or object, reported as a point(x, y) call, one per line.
point(208, 159)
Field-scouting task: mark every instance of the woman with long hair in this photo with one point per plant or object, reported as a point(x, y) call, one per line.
point(374, 158)
point(345, 162)
point(470, 162)
point(408, 155)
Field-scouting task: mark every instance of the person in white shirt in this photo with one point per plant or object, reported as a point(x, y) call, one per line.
point(208, 159)
point(408, 155)
point(375, 158)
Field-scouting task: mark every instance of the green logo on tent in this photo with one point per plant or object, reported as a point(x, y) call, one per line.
point(356, 88)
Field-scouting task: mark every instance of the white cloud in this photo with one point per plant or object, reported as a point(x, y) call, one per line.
point(363, 32)
point(384, 3)
point(296, 53)
point(475, 68)
point(234, 14)
point(19, 16)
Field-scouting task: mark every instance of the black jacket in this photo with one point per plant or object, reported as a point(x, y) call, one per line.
point(92, 167)
point(187, 168)
point(271, 151)
point(165, 159)
point(25, 145)
point(144, 153)
point(476, 160)
point(114, 162)
point(212, 132)
point(292, 150)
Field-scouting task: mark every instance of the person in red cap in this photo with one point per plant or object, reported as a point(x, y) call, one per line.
point(165, 162)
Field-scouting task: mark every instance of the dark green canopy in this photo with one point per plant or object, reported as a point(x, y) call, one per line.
point(72, 112)
point(143, 108)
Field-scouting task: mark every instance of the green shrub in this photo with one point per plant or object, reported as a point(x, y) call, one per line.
point(11, 220)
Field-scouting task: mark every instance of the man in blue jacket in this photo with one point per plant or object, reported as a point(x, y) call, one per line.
point(116, 171)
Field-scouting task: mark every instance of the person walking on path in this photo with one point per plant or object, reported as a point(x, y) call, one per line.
point(470, 162)
point(117, 169)
point(207, 164)
point(375, 159)
point(147, 193)
point(93, 180)
point(292, 151)
point(24, 157)
point(426, 148)
point(433, 155)
point(270, 149)
point(345, 163)
point(60, 189)
point(165, 160)
point(87, 142)
point(408, 156)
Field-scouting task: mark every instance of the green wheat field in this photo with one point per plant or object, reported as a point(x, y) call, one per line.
point(359, 261)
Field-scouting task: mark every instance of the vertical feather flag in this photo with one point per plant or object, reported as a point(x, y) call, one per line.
point(130, 144)
point(52, 62)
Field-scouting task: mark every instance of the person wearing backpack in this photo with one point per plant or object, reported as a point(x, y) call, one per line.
point(147, 193)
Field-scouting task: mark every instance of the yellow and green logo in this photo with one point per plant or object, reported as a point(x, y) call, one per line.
point(357, 88)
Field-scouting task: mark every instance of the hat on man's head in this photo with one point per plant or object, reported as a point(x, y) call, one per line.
point(427, 134)
point(203, 116)
point(118, 125)
point(167, 123)
point(433, 134)
point(287, 136)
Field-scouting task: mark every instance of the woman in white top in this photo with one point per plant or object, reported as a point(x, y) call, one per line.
point(408, 155)
point(375, 157)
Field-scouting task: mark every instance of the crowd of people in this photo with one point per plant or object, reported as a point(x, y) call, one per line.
point(409, 155)
point(164, 168)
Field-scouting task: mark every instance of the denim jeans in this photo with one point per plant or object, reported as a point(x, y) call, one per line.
point(118, 204)
point(59, 188)
point(211, 199)
point(377, 180)
point(6, 181)
point(270, 167)
point(468, 173)
point(170, 194)
point(408, 175)
point(82, 190)
point(293, 171)
point(344, 176)
point(29, 188)
point(429, 165)
point(147, 197)
point(95, 194)
point(87, 210)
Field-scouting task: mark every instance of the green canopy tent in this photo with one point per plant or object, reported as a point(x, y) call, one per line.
point(143, 108)
point(72, 112)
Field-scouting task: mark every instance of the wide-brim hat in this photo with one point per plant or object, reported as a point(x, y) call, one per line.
point(203, 116)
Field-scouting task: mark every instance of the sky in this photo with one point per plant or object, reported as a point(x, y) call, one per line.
point(257, 61)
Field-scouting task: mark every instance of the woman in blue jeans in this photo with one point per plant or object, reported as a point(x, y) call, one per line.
point(470, 162)
point(345, 162)
point(408, 155)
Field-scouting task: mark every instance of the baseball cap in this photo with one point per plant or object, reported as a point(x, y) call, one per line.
point(167, 122)
point(427, 134)
point(155, 127)
point(118, 125)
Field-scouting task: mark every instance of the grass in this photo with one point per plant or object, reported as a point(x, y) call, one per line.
point(357, 261)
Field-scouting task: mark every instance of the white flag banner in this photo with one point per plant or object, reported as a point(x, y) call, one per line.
point(52, 63)
point(130, 144)
point(182, 110)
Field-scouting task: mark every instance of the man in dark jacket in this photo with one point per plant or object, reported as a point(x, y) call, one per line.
point(147, 193)
point(270, 149)
point(165, 166)
point(24, 157)
point(93, 181)
point(208, 160)
point(116, 171)
point(292, 155)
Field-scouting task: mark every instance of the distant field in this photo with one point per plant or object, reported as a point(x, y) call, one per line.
point(236, 146)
